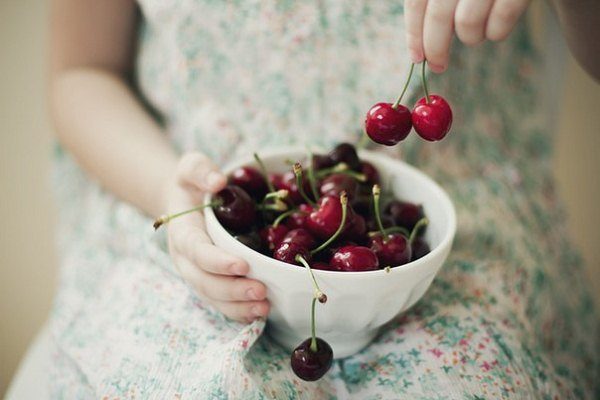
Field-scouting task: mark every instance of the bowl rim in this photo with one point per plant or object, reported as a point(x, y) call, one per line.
point(284, 153)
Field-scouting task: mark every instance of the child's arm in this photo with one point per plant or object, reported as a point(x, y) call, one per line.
point(100, 121)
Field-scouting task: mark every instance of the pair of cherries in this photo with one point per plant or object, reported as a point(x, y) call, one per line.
point(388, 124)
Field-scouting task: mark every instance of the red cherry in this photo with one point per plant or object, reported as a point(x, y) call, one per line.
point(388, 125)
point(357, 229)
point(311, 365)
point(273, 235)
point(392, 251)
point(354, 258)
point(406, 214)
point(432, 120)
point(251, 180)
point(298, 219)
point(300, 236)
point(335, 184)
point(288, 182)
point(345, 153)
point(236, 210)
point(326, 218)
point(371, 173)
point(287, 252)
point(322, 266)
point(419, 248)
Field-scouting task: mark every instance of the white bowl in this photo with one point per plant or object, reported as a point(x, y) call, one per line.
point(359, 303)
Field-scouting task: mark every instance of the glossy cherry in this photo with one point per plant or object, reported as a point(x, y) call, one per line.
point(419, 248)
point(326, 218)
point(272, 235)
point(357, 228)
point(406, 214)
point(251, 180)
point(388, 125)
point(432, 120)
point(287, 252)
point(354, 259)
point(235, 210)
point(300, 237)
point(335, 184)
point(392, 250)
point(252, 240)
point(311, 365)
point(345, 153)
point(298, 219)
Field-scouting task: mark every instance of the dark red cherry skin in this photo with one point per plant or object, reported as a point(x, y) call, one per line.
point(237, 211)
point(300, 237)
point(420, 248)
point(388, 125)
point(288, 182)
point(406, 214)
point(323, 266)
point(298, 219)
point(273, 235)
point(276, 180)
point(251, 240)
point(309, 365)
point(287, 252)
point(432, 121)
point(346, 153)
point(321, 161)
point(251, 180)
point(391, 251)
point(326, 218)
point(386, 220)
point(371, 173)
point(363, 204)
point(335, 184)
point(357, 229)
point(354, 259)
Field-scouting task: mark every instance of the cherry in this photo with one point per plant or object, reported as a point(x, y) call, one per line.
point(311, 365)
point(388, 124)
point(301, 237)
point(406, 214)
point(288, 182)
point(356, 229)
point(298, 218)
point(432, 119)
point(370, 172)
point(386, 220)
point(345, 153)
point(419, 248)
point(354, 259)
point(335, 184)
point(322, 266)
point(321, 161)
point(325, 219)
point(272, 235)
point(235, 209)
point(251, 180)
point(288, 252)
point(251, 240)
point(392, 250)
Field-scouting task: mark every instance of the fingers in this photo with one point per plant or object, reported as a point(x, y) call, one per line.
point(470, 20)
point(227, 288)
point(438, 28)
point(197, 170)
point(503, 17)
point(414, 14)
point(246, 311)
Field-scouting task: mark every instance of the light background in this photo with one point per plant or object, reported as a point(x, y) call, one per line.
point(27, 256)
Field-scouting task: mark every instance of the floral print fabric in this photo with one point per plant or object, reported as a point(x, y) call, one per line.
point(508, 316)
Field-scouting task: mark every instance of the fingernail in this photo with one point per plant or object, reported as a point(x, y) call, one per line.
point(251, 294)
point(437, 68)
point(415, 56)
point(256, 311)
point(238, 269)
point(214, 178)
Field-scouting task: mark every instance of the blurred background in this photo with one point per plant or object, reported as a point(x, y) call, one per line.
point(28, 261)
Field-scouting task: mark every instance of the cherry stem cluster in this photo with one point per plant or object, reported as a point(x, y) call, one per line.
point(344, 202)
point(410, 72)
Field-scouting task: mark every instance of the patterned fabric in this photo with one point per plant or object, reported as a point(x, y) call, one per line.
point(508, 317)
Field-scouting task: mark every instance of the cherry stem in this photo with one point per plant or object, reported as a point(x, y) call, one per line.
point(344, 202)
point(263, 170)
point(392, 229)
point(319, 295)
point(311, 178)
point(313, 329)
point(413, 234)
point(397, 103)
point(278, 194)
point(300, 184)
point(283, 216)
point(164, 219)
point(425, 81)
point(342, 168)
point(376, 194)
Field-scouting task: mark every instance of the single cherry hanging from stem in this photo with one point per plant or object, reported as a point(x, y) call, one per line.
point(388, 123)
point(432, 115)
point(314, 356)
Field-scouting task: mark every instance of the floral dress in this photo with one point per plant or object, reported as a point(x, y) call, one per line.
point(508, 316)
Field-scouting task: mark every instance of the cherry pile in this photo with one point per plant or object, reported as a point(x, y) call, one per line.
point(389, 124)
point(331, 215)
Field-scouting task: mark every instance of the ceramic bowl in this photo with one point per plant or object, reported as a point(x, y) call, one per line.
point(359, 303)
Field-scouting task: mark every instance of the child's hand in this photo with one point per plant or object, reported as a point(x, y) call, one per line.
point(216, 275)
point(430, 25)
